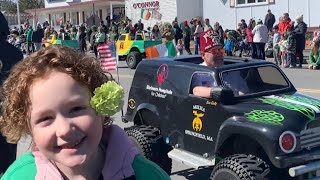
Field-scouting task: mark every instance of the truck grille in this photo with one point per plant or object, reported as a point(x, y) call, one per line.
point(313, 124)
point(310, 138)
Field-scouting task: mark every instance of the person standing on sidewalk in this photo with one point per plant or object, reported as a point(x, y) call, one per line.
point(252, 24)
point(186, 37)
point(207, 25)
point(285, 23)
point(9, 56)
point(269, 20)
point(37, 36)
point(30, 47)
point(292, 48)
point(197, 32)
point(300, 30)
point(276, 47)
point(218, 30)
point(260, 38)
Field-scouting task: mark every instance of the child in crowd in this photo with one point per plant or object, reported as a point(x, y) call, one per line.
point(64, 101)
point(291, 48)
point(283, 51)
point(179, 47)
point(229, 44)
point(276, 47)
point(314, 57)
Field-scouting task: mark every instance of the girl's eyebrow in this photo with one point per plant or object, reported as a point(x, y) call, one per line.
point(72, 100)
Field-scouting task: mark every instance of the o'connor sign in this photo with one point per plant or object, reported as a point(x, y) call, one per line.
point(146, 5)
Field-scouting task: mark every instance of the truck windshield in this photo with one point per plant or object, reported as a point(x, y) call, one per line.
point(252, 80)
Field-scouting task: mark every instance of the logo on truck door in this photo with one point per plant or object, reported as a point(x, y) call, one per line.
point(121, 45)
point(199, 112)
point(162, 74)
point(197, 122)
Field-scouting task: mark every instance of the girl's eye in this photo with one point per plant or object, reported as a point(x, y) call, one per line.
point(44, 119)
point(77, 108)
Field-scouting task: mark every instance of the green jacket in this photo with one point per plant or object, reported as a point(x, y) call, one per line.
point(25, 168)
point(314, 61)
point(29, 35)
point(100, 37)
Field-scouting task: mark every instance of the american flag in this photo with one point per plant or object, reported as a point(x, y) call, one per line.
point(108, 56)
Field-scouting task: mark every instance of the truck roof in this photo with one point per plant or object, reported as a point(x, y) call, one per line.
point(230, 62)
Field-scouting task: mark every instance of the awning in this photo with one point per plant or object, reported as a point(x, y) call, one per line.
point(75, 5)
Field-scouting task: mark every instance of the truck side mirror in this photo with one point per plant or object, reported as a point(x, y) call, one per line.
point(222, 94)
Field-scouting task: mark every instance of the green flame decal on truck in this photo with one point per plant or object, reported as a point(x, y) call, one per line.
point(305, 110)
point(307, 100)
point(267, 117)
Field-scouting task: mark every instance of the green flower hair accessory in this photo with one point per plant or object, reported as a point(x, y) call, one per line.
point(107, 99)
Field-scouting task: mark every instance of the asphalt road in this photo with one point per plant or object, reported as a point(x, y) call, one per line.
point(306, 81)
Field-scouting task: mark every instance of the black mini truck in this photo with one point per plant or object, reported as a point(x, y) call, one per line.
point(269, 132)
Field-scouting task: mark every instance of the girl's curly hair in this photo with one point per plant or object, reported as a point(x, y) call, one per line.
point(15, 118)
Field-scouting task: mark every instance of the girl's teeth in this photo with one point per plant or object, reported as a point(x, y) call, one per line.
point(71, 145)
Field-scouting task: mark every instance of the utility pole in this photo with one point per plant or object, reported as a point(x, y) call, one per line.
point(18, 14)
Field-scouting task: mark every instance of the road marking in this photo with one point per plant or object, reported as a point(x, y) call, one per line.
point(309, 90)
point(316, 91)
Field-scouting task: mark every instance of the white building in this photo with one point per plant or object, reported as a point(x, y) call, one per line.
point(154, 11)
point(77, 11)
point(230, 12)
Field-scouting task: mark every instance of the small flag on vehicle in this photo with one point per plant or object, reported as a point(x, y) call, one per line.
point(108, 56)
point(161, 50)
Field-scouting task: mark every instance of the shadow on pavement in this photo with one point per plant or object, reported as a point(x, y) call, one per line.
point(194, 174)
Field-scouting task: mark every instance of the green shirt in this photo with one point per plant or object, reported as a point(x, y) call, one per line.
point(25, 168)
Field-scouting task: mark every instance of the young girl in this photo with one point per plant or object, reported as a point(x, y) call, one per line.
point(52, 96)
point(180, 47)
point(229, 44)
point(283, 51)
point(314, 57)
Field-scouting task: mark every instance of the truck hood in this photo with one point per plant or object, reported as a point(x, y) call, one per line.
point(284, 110)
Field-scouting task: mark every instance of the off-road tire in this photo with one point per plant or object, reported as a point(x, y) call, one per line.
point(133, 59)
point(150, 143)
point(241, 167)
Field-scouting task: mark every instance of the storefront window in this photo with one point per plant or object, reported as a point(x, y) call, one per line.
point(240, 2)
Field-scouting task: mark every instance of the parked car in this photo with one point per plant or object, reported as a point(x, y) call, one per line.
point(270, 132)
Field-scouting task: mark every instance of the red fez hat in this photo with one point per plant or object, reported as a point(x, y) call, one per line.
point(209, 40)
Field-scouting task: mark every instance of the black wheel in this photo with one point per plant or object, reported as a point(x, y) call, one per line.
point(151, 145)
point(133, 59)
point(241, 167)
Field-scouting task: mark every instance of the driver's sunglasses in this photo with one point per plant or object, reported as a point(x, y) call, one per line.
point(217, 51)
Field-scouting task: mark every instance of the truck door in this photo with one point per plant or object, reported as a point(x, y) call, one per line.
point(198, 118)
point(121, 45)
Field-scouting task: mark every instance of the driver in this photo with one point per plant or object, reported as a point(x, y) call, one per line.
point(212, 54)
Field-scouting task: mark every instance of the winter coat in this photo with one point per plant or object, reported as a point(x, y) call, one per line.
point(220, 33)
point(292, 43)
point(29, 35)
point(229, 44)
point(37, 35)
point(314, 59)
point(249, 35)
point(269, 21)
point(186, 33)
point(178, 34)
point(284, 26)
point(300, 31)
point(93, 37)
point(156, 35)
point(100, 37)
point(260, 32)
point(82, 39)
